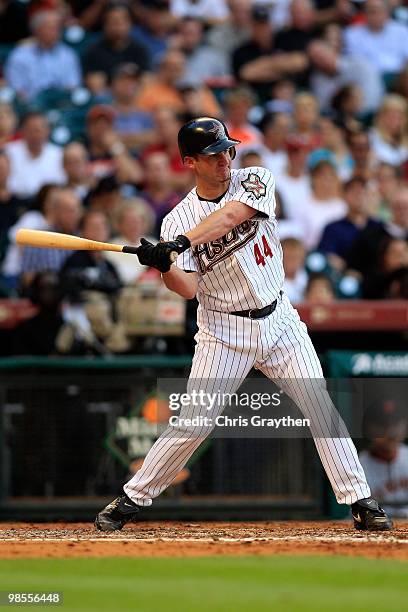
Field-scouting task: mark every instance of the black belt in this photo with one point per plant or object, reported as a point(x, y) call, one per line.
point(257, 313)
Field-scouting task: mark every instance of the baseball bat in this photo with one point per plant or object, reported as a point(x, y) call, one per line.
point(56, 240)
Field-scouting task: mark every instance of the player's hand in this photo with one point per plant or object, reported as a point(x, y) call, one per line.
point(160, 256)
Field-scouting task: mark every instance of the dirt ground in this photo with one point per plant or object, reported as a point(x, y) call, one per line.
point(173, 539)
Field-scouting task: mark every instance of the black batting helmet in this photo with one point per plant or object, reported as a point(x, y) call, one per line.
point(205, 136)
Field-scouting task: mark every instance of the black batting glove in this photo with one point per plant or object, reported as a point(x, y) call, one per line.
point(159, 256)
point(179, 245)
point(153, 256)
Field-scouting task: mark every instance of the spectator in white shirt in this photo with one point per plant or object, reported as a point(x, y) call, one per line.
point(210, 11)
point(293, 184)
point(275, 128)
point(34, 160)
point(333, 70)
point(203, 63)
point(294, 254)
point(45, 62)
point(381, 40)
point(324, 204)
point(76, 166)
point(389, 137)
point(227, 36)
point(132, 219)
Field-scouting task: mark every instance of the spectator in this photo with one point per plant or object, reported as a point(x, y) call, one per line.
point(167, 126)
point(34, 160)
point(293, 184)
point(11, 206)
point(385, 184)
point(385, 461)
point(401, 83)
point(39, 217)
point(107, 154)
point(347, 106)
point(365, 248)
point(37, 335)
point(388, 279)
point(162, 90)
point(249, 158)
point(210, 11)
point(8, 124)
point(295, 282)
point(380, 40)
point(363, 157)
point(338, 237)
point(133, 220)
point(275, 128)
point(282, 97)
point(203, 63)
point(133, 126)
point(227, 36)
point(333, 148)
point(155, 24)
point(298, 35)
point(158, 191)
point(75, 162)
point(332, 70)
point(88, 14)
point(323, 205)
point(116, 45)
point(105, 197)
point(306, 118)
point(37, 65)
point(194, 99)
point(65, 216)
point(90, 270)
point(13, 21)
point(319, 290)
point(258, 63)
point(238, 103)
point(389, 137)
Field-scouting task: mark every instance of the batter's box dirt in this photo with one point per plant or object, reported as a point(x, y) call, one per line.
point(170, 539)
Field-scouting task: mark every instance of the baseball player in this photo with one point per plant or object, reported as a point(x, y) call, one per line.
point(229, 256)
point(385, 461)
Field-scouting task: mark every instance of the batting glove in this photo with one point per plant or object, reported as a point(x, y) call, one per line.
point(159, 256)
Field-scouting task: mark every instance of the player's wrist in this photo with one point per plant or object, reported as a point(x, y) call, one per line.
point(183, 243)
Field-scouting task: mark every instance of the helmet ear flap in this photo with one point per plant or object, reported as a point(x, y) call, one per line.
point(232, 152)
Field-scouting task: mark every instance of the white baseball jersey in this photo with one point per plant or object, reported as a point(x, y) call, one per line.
point(240, 271)
point(244, 268)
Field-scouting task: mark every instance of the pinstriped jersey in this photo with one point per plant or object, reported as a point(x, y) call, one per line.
point(244, 268)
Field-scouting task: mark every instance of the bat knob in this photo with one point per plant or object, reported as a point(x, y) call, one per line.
point(173, 256)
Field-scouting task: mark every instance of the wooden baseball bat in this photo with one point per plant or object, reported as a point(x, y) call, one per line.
point(56, 240)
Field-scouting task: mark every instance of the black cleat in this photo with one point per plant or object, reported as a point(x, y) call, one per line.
point(120, 511)
point(369, 516)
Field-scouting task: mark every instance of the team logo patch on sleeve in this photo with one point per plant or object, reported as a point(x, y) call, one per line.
point(254, 185)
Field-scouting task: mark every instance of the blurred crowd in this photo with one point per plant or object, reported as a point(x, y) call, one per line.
point(93, 93)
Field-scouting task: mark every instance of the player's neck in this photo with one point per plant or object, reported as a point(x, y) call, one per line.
point(211, 192)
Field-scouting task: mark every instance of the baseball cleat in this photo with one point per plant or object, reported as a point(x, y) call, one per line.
point(369, 516)
point(116, 514)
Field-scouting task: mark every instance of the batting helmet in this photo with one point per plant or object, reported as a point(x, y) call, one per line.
point(205, 136)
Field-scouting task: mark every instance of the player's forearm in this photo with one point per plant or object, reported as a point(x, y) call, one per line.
point(220, 222)
point(181, 282)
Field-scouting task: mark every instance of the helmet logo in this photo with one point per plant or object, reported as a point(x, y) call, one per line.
point(254, 185)
point(218, 130)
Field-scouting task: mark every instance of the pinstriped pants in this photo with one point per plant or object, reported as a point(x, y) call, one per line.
point(228, 347)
